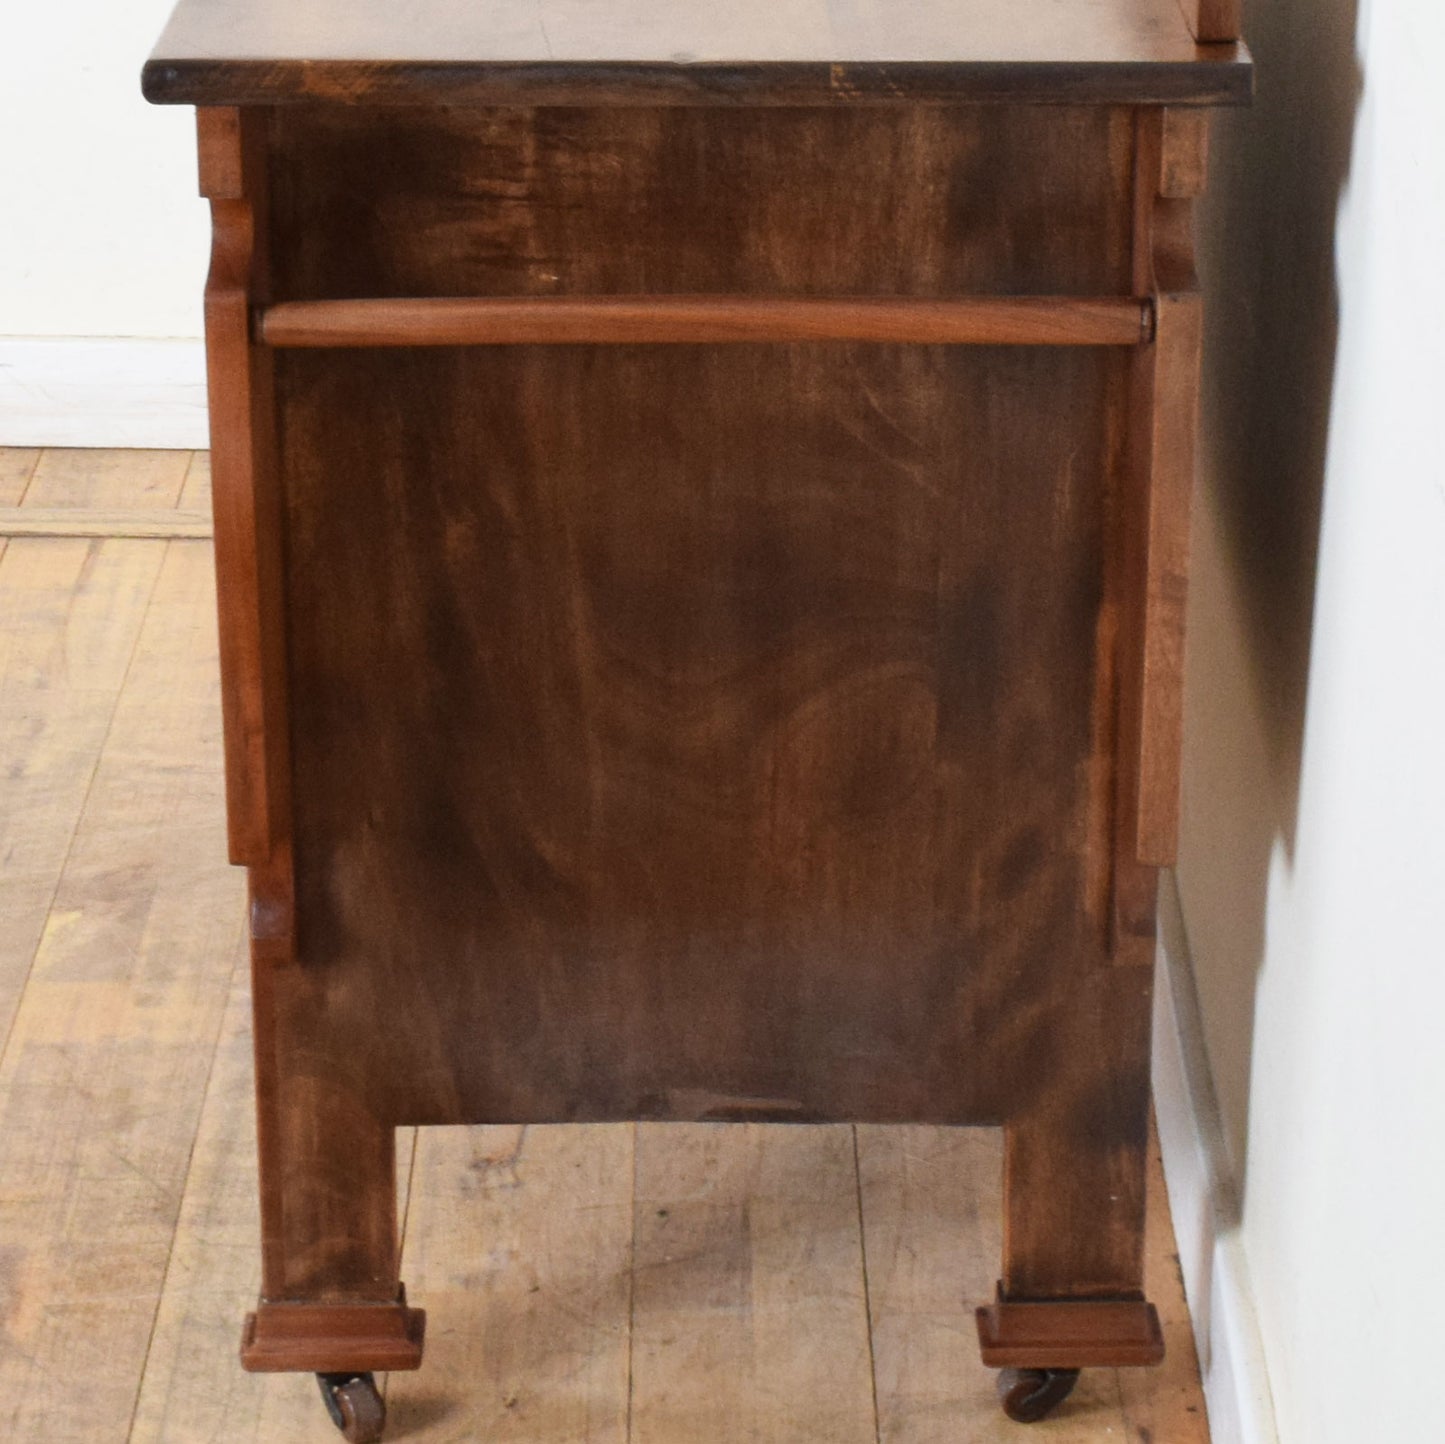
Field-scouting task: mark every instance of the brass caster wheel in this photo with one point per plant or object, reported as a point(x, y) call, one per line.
point(1028, 1395)
point(354, 1405)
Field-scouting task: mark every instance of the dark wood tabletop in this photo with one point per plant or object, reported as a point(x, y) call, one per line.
point(229, 52)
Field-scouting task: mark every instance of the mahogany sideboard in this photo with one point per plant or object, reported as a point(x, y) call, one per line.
point(701, 518)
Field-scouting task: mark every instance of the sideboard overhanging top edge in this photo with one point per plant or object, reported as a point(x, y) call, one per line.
point(651, 52)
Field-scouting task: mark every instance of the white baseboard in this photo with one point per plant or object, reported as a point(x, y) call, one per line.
point(1203, 1198)
point(102, 391)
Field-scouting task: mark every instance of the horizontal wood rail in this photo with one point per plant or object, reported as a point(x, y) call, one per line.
point(625, 320)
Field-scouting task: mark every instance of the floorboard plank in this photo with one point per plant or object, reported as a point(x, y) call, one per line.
point(107, 480)
point(930, 1199)
point(17, 465)
point(749, 1318)
point(520, 1241)
point(101, 1082)
point(72, 612)
point(932, 1229)
point(1165, 1405)
point(193, 1388)
point(72, 521)
point(196, 490)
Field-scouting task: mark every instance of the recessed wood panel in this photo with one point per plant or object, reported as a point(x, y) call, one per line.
point(902, 202)
point(690, 711)
point(695, 731)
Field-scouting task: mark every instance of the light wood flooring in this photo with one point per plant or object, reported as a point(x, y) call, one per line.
point(659, 1284)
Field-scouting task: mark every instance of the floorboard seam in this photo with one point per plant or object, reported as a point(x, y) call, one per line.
point(867, 1292)
point(631, 1283)
point(242, 960)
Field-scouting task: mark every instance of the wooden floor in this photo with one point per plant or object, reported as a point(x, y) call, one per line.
point(662, 1284)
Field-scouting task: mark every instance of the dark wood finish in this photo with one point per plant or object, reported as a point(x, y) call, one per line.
point(445, 202)
point(1183, 155)
point(333, 1338)
point(753, 538)
point(1166, 408)
point(1114, 1333)
point(785, 730)
point(244, 497)
point(707, 320)
point(327, 1164)
point(655, 52)
point(1074, 1198)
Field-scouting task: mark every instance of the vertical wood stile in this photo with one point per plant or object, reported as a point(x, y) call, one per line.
point(1154, 516)
point(245, 495)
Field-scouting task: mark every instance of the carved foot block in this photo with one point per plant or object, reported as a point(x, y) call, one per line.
point(333, 1338)
point(1069, 1334)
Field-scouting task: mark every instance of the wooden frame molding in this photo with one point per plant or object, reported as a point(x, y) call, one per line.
point(625, 320)
point(1069, 1334)
point(1167, 378)
point(1153, 520)
point(245, 497)
point(333, 1338)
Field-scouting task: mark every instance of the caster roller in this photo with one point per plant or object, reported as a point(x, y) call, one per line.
point(1028, 1395)
point(355, 1406)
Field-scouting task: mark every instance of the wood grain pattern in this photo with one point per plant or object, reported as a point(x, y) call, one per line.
point(928, 1196)
point(652, 52)
point(1075, 1209)
point(196, 490)
point(1184, 154)
point(921, 1190)
point(734, 604)
point(792, 652)
point(1075, 1158)
point(521, 1240)
point(17, 466)
point(328, 1161)
point(245, 503)
point(1165, 1403)
point(104, 1067)
point(745, 1325)
point(81, 478)
point(192, 1388)
point(779, 731)
point(72, 614)
point(905, 203)
point(1165, 423)
point(706, 320)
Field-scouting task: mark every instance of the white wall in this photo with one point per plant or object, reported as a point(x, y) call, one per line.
point(1312, 872)
point(101, 231)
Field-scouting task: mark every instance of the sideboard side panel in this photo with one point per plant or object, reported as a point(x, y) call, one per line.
point(700, 731)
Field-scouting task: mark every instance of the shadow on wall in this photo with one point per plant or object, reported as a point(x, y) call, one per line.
point(1267, 252)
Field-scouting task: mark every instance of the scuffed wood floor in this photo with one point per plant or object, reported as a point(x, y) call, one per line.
point(660, 1284)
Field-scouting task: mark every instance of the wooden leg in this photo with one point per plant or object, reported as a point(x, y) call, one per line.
point(1074, 1205)
point(1071, 1295)
point(332, 1301)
